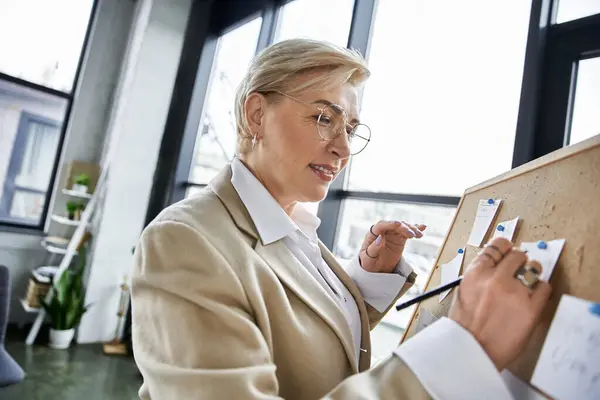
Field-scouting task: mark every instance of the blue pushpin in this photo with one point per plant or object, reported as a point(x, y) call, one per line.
point(500, 228)
point(490, 201)
point(460, 251)
point(595, 308)
point(542, 245)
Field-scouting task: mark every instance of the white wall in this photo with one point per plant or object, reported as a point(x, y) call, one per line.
point(21, 252)
point(133, 160)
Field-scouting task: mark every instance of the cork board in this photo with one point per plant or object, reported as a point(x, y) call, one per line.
point(555, 196)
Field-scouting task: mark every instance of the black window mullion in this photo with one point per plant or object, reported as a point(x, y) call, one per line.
point(531, 88)
point(270, 17)
point(567, 44)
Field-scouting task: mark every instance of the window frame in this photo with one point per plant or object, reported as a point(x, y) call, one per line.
point(13, 224)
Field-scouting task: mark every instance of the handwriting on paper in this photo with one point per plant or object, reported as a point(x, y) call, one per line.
point(425, 319)
point(546, 253)
point(450, 271)
point(506, 229)
point(486, 212)
point(569, 364)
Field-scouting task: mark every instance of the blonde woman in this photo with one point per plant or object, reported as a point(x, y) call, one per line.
point(234, 296)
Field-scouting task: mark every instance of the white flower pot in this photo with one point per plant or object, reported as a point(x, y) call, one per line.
point(79, 188)
point(61, 339)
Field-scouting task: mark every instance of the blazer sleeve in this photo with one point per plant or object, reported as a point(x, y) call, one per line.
point(194, 334)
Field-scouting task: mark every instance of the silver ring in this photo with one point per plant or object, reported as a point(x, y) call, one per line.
point(528, 276)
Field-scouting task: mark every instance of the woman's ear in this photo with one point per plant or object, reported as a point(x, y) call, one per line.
point(255, 109)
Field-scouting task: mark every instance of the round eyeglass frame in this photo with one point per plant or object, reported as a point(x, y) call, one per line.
point(349, 134)
point(322, 110)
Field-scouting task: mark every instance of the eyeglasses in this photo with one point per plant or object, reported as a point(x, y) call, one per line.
point(332, 121)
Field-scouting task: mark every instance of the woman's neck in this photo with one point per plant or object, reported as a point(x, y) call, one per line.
point(287, 205)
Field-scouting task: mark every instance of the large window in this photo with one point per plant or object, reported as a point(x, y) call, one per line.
point(42, 40)
point(41, 44)
point(216, 138)
point(443, 95)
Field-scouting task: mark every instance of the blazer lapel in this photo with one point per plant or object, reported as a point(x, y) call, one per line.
point(365, 341)
point(295, 276)
point(285, 265)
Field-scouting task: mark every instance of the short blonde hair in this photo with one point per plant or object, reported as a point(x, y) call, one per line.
point(277, 68)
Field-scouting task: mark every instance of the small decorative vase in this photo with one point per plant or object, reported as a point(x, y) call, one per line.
point(80, 188)
point(61, 339)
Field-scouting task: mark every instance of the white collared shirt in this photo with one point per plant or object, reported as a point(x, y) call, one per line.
point(299, 233)
point(445, 357)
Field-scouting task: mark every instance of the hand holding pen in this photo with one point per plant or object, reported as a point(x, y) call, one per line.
point(499, 299)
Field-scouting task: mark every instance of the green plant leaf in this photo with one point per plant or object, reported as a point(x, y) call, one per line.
point(66, 307)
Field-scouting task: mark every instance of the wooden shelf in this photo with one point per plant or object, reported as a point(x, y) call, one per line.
point(77, 194)
point(27, 308)
point(64, 220)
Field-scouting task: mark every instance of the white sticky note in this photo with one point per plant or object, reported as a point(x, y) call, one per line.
point(486, 211)
point(506, 229)
point(425, 319)
point(519, 389)
point(569, 364)
point(450, 271)
point(546, 257)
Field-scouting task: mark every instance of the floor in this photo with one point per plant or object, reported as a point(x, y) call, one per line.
point(81, 372)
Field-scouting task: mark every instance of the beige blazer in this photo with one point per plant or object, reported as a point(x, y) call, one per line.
point(218, 315)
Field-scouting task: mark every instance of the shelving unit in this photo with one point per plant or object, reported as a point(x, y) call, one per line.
point(66, 248)
point(80, 195)
point(64, 220)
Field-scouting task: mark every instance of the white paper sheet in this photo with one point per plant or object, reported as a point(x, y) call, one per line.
point(483, 219)
point(450, 271)
point(519, 389)
point(425, 319)
point(569, 364)
point(546, 257)
point(506, 229)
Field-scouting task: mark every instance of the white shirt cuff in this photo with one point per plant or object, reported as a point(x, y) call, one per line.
point(451, 364)
point(377, 288)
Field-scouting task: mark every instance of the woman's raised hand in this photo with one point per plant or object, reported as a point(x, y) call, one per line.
point(384, 244)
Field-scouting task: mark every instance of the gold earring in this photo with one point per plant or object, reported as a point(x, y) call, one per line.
point(254, 140)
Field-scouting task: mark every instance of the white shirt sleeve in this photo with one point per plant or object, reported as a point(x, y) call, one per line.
point(377, 288)
point(451, 364)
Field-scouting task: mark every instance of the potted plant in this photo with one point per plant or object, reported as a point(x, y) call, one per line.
point(72, 208)
point(66, 306)
point(81, 183)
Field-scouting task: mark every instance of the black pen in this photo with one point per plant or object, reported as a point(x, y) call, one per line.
point(429, 294)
